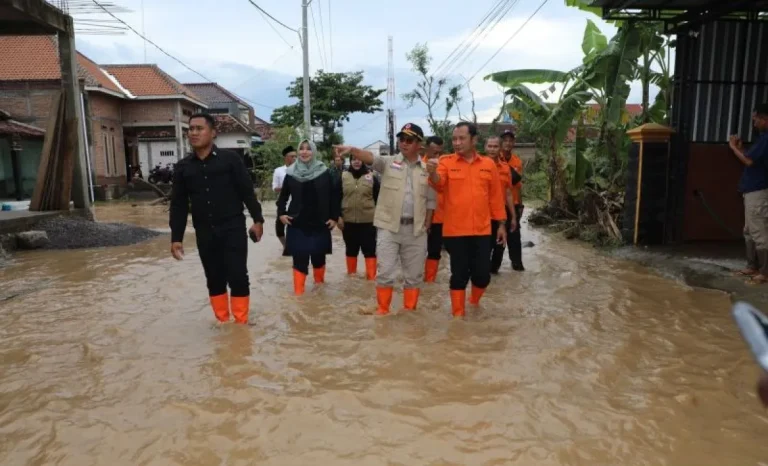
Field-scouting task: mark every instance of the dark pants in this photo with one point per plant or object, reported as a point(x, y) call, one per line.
point(301, 262)
point(514, 242)
point(497, 250)
point(279, 228)
point(224, 254)
point(435, 241)
point(360, 236)
point(470, 260)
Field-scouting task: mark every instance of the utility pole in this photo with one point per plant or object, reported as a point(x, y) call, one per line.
point(305, 47)
point(391, 99)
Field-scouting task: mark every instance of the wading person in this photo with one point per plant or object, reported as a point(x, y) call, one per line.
point(216, 184)
point(492, 150)
point(289, 156)
point(433, 150)
point(359, 192)
point(754, 187)
point(403, 213)
point(312, 214)
point(471, 189)
point(514, 241)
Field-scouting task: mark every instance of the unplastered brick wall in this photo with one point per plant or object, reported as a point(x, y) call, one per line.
point(29, 101)
point(105, 107)
point(149, 111)
point(107, 146)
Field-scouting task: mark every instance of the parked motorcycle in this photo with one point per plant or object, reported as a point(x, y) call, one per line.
point(161, 174)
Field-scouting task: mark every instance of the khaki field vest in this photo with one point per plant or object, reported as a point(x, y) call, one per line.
point(357, 205)
point(390, 204)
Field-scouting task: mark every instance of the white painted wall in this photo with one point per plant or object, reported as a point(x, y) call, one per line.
point(233, 141)
point(150, 154)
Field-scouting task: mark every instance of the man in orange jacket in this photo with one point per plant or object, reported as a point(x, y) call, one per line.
point(493, 151)
point(472, 199)
point(514, 241)
point(433, 150)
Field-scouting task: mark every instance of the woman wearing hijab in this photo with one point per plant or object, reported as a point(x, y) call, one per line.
point(359, 191)
point(312, 214)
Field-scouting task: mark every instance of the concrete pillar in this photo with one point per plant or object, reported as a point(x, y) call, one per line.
point(179, 135)
point(69, 83)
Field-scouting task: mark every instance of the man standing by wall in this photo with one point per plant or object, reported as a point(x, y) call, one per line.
point(754, 187)
point(216, 184)
point(492, 150)
point(289, 156)
point(433, 150)
point(514, 241)
point(471, 188)
point(403, 215)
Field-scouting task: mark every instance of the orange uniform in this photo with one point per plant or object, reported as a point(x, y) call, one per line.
point(471, 195)
point(516, 164)
point(505, 177)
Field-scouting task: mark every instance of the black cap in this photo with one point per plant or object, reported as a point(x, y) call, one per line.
point(508, 132)
point(288, 150)
point(762, 109)
point(413, 130)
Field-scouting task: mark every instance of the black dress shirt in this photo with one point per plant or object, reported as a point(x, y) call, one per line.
point(217, 187)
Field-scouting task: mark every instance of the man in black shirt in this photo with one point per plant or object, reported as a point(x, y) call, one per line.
point(216, 184)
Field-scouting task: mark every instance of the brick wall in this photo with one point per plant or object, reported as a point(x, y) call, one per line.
point(107, 145)
point(149, 111)
point(29, 101)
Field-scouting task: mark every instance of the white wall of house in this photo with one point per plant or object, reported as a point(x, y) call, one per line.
point(233, 141)
point(153, 152)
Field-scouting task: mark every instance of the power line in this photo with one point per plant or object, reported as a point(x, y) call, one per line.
point(317, 38)
point(264, 70)
point(482, 21)
point(266, 20)
point(330, 33)
point(462, 60)
point(509, 40)
point(272, 17)
point(168, 54)
point(322, 29)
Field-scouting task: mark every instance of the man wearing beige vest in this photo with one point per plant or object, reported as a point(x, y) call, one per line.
point(403, 214)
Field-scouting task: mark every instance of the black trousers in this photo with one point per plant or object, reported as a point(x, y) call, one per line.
point(470, 260)
point(301, 262)
point(435, 241)
point(497, 250)
point(279, 228)
point(360, 236)
point(514, 242)
point(224, 254)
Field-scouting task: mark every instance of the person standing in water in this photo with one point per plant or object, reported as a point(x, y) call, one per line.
point(359, 192)
point(473, 199)
point(289, 156)
point(492, 150)
point(433, 150)
point(312, 214)
point(514, 241)
point(402, 218)
point(216, 184)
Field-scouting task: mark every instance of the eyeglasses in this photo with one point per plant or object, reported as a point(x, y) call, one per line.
point(407, 140)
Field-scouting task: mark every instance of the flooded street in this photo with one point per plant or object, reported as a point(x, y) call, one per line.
point(110, 357)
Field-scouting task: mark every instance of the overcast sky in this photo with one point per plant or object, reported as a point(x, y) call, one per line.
point(230, 42)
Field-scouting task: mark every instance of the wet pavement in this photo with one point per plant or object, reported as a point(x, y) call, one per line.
point(110, 357)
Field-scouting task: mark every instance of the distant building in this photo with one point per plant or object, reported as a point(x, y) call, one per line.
point(378, 148)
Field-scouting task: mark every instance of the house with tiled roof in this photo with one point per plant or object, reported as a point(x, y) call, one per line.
point(135, 114)
point(220, 100)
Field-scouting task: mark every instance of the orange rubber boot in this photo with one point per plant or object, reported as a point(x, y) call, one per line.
point(457, 302)
point(220, 306)
point(430, 270)
point(370, 268)
point(475, 295)
point(351, 265)
point(411, 298)
point(299, 282)
point(240, 307)
point(384, 299)
point(319, 274)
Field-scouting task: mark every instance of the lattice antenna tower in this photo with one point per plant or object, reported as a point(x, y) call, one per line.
point(391, 124)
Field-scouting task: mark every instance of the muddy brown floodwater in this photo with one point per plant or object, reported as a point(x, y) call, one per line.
point(109, 357)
